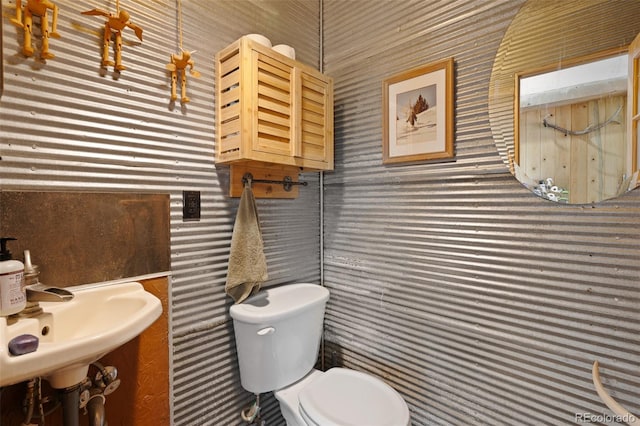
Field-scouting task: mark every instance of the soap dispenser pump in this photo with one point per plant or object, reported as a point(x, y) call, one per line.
point(13, 297)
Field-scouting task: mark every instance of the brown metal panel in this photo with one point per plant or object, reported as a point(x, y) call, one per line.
point(96, 236)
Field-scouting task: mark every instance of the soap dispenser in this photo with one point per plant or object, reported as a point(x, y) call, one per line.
point(13, 297)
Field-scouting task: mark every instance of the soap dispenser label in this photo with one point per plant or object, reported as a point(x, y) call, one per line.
point(12, 292)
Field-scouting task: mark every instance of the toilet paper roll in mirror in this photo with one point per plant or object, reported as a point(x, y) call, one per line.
point(286, 50)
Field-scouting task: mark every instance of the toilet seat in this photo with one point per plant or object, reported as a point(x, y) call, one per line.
point(343, 397)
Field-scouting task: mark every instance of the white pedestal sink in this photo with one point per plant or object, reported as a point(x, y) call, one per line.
point(73, 334)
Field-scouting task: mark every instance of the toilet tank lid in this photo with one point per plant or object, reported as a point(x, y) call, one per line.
point(276, 303)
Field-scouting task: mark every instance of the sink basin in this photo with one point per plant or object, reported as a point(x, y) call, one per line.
point(73, 334)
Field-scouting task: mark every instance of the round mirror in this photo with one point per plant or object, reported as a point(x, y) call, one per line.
point(564, 135)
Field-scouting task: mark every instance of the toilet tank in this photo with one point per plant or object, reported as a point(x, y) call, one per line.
point(278, 335)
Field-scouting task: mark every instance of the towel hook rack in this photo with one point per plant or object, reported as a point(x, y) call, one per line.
point(287, 183)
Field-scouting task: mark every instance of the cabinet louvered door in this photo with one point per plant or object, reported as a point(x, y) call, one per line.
point(273, 115)
point(315, 136)
point(228, 106)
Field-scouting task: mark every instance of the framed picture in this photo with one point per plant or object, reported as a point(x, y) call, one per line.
point(418, 114)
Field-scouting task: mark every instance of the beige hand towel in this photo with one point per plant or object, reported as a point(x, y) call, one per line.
point(247, 262)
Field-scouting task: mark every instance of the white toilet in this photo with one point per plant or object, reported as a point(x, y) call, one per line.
point(278, 335)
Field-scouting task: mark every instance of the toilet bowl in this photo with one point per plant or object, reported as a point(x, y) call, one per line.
point(278, 335)
point(342, 397)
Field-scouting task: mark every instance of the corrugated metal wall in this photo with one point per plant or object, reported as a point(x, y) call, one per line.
point(479, 302)
point(67, 125)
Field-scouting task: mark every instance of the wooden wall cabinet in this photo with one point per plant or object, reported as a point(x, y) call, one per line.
point(271, 109)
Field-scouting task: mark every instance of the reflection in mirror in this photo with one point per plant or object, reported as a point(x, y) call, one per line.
point(546, 36)
point(570, 138)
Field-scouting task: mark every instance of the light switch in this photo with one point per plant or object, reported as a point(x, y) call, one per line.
point(190, 205)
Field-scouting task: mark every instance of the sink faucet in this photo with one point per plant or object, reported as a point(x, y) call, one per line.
point(42, 293)
point(38, 292)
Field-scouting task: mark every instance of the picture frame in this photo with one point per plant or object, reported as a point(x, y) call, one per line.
point(418, 114)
